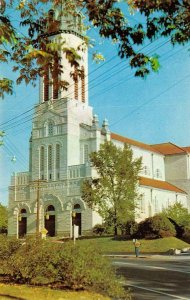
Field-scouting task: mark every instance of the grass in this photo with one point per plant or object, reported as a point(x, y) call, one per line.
point(23, 292)
point(108, 245)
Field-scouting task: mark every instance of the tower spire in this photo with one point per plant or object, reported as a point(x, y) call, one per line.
point(67, 16)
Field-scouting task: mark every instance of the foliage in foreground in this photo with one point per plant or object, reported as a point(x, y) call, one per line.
point(3, 219)
point(180, 217)
point(66, 266)
point(30, 50)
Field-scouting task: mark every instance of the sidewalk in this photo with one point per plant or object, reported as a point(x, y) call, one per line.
point(150, 255)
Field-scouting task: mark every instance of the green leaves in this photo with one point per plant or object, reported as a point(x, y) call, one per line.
point(178, 213)
point(3, 218)
point(114, 191)
point(161, 18)
point(6, 86)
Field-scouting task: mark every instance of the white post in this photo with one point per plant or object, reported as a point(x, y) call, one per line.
point(15, 183)
point(74, 235)
point(17, 227)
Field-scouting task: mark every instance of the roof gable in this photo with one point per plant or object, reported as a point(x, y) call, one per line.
point(162, 185)
point(169, 148)
point(123, 139)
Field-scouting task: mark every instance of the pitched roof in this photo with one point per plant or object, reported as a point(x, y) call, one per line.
point(187, 149)
point(163, 185)
point(123, 139)
point(169, 148)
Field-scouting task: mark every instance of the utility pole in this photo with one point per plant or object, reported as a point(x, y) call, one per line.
point(38, 182)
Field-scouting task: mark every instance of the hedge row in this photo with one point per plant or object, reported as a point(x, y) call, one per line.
point(158, 226)
point(67, 266)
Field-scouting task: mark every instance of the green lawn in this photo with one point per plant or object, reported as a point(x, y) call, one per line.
point(23, 292)
point(109, 245)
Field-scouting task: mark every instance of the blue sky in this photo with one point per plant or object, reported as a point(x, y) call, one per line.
point(154, 110)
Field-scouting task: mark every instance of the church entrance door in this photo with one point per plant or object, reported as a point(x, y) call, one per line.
point(50, 225)
point(50, 220)
point(77, 221)
point(22, 225)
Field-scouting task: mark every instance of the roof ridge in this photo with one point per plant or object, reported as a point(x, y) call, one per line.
point(178, 147)
point(162, 148)
point(136, 141)
point(163, 182)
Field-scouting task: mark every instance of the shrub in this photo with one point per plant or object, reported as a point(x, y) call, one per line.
point(131, 228)
point(8, 246)
point(157, 226)
point(99, 229)
point(186, 234)
point(65, 266)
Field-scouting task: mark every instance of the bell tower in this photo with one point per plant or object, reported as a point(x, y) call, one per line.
point(65, 29)
point(55, 144)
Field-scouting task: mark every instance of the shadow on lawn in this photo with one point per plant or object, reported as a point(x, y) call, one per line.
point(11, 297)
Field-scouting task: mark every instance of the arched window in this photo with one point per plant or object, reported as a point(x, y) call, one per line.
point(50, 220)
point(55, 76)
point(46, 83)
point(50, 208)
point(42, 162)
point(50, 128)
point(77, 206)
point(86, 153)
point(57, 161)
point(76, 85)
point(83, 84)
point(50, 160)
point(22, 223)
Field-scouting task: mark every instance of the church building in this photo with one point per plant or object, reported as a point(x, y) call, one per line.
point(64, 132)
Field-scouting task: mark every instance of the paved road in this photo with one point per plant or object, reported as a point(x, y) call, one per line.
point(156, 277)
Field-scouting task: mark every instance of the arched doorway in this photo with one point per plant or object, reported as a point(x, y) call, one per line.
point(50, 220)
point(22, 223)
point(76, 217)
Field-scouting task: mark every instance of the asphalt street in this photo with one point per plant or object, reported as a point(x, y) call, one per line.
point(155, 277)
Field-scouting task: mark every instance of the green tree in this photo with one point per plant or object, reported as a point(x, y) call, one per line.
point(114, 191)
point(178, 213)
point(3, 218)
point(32, 51)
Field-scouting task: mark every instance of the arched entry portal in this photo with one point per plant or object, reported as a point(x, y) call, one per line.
point(50, 220)
point(76, 217)
point(22, 223)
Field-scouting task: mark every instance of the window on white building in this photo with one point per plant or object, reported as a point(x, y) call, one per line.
point(156, 209)
point(86, 153)
point(146, 170)
point(57, 151)
point(83, 84)
point(42, 151)
point(50, 128)
point(158, 173)
point(50, 160)
point(142, 204)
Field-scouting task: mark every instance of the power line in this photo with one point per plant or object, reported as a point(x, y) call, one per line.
point(129, 77)
point(107, 78)
point(150, 100)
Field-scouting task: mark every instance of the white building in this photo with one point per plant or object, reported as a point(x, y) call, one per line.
point(64, 132)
